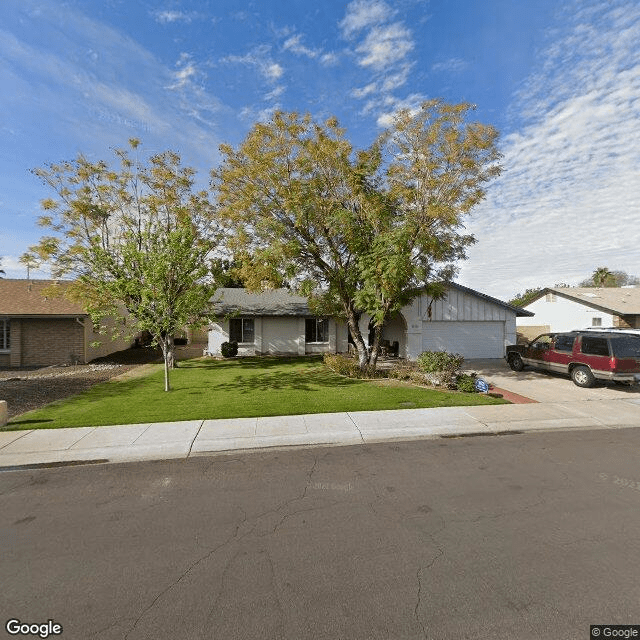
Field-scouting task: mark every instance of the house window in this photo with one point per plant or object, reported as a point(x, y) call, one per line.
point(241, 330)
point(316, 330)
point(5, 335)
point(596, 322)
point(550, 297)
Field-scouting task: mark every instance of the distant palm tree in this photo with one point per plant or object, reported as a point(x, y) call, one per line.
point(602, 277)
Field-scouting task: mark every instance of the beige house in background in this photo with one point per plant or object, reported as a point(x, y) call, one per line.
point(569, 308)
point(37, 329)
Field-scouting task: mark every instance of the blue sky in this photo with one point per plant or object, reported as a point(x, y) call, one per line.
point(561, 81)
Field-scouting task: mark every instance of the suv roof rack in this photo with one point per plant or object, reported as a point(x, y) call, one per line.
point(610, 330)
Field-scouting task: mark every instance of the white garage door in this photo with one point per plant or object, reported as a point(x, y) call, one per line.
point(470, 339)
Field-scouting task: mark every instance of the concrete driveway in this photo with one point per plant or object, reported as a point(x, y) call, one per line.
point(546, 387)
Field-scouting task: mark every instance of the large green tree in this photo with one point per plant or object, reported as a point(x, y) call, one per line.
point(372, 229)
point(434, 168)
point(289, 198)
point(135, 239)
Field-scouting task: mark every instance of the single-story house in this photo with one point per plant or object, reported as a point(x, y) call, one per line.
point(39, 329)
point(278, 322)
point(568, 308)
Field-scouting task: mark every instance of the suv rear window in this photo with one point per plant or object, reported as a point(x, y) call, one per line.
point(595, 346)
point(564, 343)
point(626, 346)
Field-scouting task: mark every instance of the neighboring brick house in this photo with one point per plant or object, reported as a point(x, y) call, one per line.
point(39, 330)
point(568, 308)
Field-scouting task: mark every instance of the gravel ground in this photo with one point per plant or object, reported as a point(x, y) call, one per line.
point(27, 389)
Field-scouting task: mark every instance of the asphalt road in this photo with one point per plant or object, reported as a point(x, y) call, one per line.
point(499, 537)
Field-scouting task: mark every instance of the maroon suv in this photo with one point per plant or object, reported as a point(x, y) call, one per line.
point(586, 356)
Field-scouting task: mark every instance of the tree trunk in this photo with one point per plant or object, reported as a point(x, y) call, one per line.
point(167, 355)
point(354, 330)
point(375, 349)
point(173, 363)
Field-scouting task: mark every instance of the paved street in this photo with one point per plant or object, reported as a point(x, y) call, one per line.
point(534, 535)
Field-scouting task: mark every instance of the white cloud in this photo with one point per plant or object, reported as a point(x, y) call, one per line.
point(382, 48)
point(385, 46)
point(329, 59)
point(273, 71)
point(167, 17)
point(398, 79)
point(569, 197)
point(294, 44)
point(452, 65)
point(251, 114)
point(362, 14)
point(260, 58)
point(411, 103)
point(189, 85)
point(276, 92)
point(363, 92)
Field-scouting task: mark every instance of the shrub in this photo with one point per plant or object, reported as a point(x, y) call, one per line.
point(418, 377)
point(402, 371)
point(229, 349)
point(466, 383)
point(441, 367)
point(344, 365)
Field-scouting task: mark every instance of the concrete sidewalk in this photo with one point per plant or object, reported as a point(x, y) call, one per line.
point(201, 437)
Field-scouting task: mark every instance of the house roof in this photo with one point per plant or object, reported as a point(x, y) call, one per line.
point(281, 302)
point(26, 298)
point(278, 302)
point(519, 311)
point(621, 301)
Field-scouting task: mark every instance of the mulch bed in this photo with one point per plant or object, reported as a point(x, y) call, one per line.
point(27, 389)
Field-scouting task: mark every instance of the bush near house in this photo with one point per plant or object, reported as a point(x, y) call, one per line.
point(466, 383)
point(442, 368)
point(436, 368)
point(229, 349)
point(348, 366)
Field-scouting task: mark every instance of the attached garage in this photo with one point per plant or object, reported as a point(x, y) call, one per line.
point(472, 339)
point(462, 321)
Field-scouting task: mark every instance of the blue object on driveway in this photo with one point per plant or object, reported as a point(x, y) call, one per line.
point(482, 385)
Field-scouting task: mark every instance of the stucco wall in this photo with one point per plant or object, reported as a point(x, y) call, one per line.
point(278, 335)
point(563, 315)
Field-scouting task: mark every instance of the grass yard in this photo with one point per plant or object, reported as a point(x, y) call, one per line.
point(245, 387)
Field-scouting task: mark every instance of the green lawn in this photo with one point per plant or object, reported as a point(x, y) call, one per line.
point(247, 387)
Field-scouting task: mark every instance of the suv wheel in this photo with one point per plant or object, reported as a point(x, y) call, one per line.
point(582, 376)
point(515, 362)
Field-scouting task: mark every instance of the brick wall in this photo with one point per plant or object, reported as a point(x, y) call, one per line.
point(46, 342)
point(627, 322)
